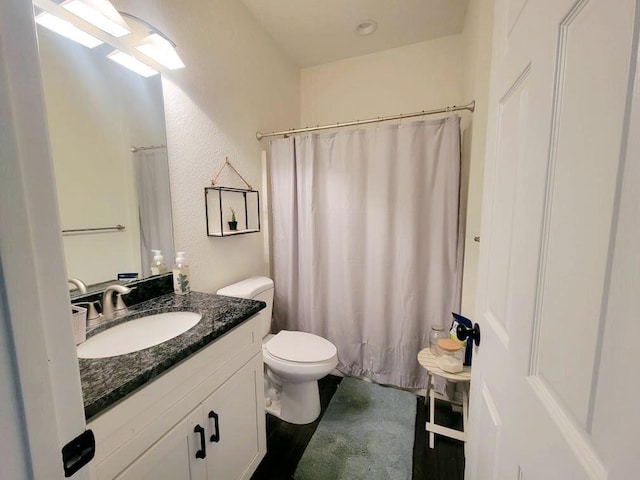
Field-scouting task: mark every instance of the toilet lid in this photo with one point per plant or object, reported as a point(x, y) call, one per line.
point(300, 347)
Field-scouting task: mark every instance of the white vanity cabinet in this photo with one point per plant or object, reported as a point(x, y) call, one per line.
point(203, 419)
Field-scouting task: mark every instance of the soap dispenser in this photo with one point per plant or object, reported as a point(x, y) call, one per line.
point(158, 265)
point(181, 275)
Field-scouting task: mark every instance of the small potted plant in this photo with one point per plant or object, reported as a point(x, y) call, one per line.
point(233, 222)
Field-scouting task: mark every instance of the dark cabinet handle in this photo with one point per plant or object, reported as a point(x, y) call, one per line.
point(202, 453)
point(215, 437)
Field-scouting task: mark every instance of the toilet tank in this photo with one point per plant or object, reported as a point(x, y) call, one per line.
point(254, 288)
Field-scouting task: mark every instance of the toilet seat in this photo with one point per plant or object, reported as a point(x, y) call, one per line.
point(300, 347)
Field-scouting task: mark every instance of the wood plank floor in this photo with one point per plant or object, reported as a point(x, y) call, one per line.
point(446, 460)
point(286, 443)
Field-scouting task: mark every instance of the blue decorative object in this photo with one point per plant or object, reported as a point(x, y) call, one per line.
point(468, 324)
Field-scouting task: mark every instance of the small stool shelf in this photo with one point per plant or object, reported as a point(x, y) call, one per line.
point(428, 361)
point(244, 203)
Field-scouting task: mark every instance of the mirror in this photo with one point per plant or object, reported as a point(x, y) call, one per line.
point(97, 111)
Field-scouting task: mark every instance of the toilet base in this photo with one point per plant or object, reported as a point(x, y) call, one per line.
point(273, 407)
point(297, 403)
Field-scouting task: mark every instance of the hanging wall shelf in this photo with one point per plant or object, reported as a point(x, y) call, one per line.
point(231, 211)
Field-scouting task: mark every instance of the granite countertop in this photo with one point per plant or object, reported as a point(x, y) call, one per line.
point(107, 380)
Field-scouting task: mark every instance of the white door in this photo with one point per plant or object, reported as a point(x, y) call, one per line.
point(235, 432)
point(549, 393)
point(40, 368)
point(179, 455)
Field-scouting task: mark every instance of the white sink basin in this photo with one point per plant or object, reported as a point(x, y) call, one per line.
point(134, 335)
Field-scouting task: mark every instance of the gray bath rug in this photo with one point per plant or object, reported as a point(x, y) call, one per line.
point(366, 433)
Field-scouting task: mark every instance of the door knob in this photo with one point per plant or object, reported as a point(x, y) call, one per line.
point(464, 333)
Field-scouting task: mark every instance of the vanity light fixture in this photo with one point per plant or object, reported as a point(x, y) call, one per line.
point(132, 63)
point(99, 13)
point(66, 29)
point(75, 18)
point(162, 50)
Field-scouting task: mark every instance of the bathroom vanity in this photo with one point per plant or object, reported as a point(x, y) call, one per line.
point(189, 408)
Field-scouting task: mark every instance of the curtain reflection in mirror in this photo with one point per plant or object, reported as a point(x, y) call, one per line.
point(151, 169)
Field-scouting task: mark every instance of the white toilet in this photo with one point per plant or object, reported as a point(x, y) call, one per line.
point(294, 361)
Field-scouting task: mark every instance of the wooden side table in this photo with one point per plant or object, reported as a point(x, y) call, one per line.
point(428, 361)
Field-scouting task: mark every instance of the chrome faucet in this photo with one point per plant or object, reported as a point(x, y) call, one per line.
point(93, 317)
point(80, 285)
point(108, 311)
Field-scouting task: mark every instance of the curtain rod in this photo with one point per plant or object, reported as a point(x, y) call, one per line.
point(470, 106)
point(152, 147)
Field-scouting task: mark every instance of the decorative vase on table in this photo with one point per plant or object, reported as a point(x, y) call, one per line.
point(437, 332)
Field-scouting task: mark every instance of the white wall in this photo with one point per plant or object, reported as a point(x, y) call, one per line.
point(477, 38)
point(96, 111)
point(417, 77)
point(236, 82)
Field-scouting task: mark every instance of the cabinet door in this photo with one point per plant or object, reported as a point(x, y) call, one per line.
point(236, 439)
point(172, 457)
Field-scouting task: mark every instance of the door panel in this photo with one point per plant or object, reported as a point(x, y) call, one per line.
point(489, 432)
point(559, 88)
point(239, 406)
point(173, 456)
point(616, 423)
point(583, 171)
point(515, 9)
point(509, 156)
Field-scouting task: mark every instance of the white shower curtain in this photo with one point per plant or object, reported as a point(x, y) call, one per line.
point(366, 243)
point(151, 169)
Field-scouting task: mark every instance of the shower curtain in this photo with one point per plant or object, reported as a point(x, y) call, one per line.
point(366, 244)
point(151, 169)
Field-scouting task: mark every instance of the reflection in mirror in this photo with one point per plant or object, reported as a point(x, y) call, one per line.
point(97, 110)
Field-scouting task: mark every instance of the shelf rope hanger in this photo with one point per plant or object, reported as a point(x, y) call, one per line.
point(228, 163)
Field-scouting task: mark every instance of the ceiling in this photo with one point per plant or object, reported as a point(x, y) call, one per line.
point(313, 32)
